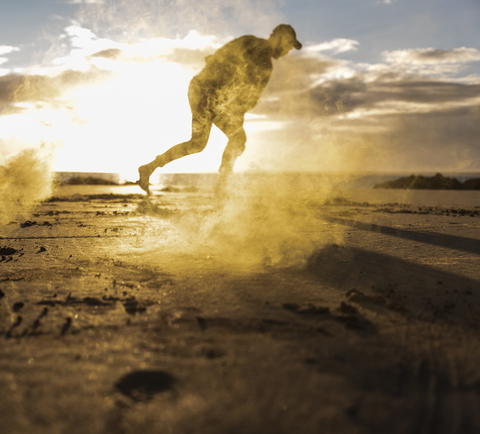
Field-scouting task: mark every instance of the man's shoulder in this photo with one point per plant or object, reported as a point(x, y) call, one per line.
point(248, 49)
point(251, 38)
point(250, 41)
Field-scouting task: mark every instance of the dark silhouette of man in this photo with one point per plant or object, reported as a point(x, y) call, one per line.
point(229, 85)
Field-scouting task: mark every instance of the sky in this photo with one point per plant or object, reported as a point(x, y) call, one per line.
point(385, 86)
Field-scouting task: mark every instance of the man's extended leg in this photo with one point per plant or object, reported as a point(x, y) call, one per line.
point(232, 127)
point(201, 127)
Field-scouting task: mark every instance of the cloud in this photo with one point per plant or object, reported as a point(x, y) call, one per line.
point(329, 113)
point(87, 49)
point(335, 46)
point(431, 61)
point(333, 93)
point(5, 49)
point(89, 60)
point(432, 56)
point(362, 117)
point(23, 93)
point(109, 53)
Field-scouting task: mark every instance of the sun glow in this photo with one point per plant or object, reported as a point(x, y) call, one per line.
point(136, 109)
point(121, 122)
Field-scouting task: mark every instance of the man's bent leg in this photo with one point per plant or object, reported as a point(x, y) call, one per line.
point(201, 128)
point(235, 147)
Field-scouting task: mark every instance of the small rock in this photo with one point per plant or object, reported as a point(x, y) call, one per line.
point(27, 224)
point(358, 297)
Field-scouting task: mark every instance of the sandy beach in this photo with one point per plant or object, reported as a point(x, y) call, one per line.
point(355, 314)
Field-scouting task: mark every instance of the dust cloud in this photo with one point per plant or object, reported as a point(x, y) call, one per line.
point(25, 180)
point(265, 220)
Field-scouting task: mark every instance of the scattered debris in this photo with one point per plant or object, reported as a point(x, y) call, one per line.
point(347, 308)
point(311, 309)
point(8, 251)
point(291, 306)
point(358, 297)
point(308, 309)
point(17, 306)
point(201, 323)
point(66, 326)
point(132, 306)
point(323, 331)
point(353, 321)
point(27, 224)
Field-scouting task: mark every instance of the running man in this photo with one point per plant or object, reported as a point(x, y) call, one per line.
point(229, 85)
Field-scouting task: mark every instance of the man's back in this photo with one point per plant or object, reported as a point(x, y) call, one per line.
point(236, 74)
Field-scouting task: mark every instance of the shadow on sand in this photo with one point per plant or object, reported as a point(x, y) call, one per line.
point(443, 240)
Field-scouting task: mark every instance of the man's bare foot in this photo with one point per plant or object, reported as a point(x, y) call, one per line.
point(144, 181)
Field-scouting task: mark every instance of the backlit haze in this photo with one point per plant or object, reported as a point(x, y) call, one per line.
point(380, 86)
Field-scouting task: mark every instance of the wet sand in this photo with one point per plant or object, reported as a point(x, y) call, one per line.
point(111, 325)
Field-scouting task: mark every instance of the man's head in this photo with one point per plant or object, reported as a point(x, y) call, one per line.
point(283, 39)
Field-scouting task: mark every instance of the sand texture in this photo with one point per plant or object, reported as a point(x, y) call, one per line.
point(120, 315)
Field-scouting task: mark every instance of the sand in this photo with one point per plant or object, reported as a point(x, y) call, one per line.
point(114, 321)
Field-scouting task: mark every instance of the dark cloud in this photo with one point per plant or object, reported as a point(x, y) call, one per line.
point(388, 122)
point(188, 58)
point(440, 140)
point(436, 141)
point(292, 93)
point(37, 88)
point(423, 90)
point(432, 56)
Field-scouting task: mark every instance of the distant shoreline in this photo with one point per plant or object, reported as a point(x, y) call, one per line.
point(437, 182)
point(455, 181)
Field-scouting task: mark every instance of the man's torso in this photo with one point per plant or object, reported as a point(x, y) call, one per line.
point(235, 76)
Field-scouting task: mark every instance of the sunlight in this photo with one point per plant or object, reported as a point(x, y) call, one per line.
point(116, 124)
